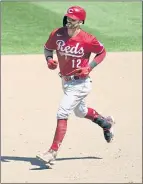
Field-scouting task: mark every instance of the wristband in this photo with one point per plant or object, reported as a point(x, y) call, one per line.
point(93, 64)
point(48, 58)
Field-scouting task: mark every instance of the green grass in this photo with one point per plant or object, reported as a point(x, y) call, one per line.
point(26, 26)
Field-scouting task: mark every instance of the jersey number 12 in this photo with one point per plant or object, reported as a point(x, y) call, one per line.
point(76, 63)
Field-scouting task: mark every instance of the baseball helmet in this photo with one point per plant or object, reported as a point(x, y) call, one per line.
point(75, 12)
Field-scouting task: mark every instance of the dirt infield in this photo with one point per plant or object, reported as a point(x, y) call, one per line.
point(30, 94)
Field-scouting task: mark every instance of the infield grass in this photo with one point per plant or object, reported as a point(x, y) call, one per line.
point(27, 25)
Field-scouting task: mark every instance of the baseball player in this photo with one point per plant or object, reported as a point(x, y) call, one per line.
point(73, 47)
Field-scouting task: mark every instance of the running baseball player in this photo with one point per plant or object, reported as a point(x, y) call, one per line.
point(73, 47)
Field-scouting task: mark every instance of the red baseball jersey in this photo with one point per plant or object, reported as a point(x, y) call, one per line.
point(73, 52)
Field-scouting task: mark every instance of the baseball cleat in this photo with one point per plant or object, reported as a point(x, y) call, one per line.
point(108, 132)
point(47, 157)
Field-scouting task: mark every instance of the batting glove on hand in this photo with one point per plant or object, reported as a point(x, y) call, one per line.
point(83, 72)
point(52, 64)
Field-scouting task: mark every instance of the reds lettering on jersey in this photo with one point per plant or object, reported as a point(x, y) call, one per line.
point(73, 52)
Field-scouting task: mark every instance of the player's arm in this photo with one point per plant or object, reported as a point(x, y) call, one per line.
point(96, 47)
point(49, 47)
point(48, 54)
point(98, 59)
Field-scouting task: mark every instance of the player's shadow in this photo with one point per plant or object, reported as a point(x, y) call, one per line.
point(40, 164)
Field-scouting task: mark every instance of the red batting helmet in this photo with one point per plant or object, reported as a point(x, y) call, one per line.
point(75, 12)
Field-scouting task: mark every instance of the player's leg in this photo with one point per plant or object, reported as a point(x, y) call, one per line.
point(82, 110)
point(73, 95)
point(106, 123)
point(50, 155)
point(69, 102)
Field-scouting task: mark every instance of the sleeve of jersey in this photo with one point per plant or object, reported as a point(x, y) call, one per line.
point(95, 46)
point(51, 42)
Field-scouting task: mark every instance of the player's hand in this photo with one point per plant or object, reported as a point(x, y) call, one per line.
point(82, 72)
point(52, 64)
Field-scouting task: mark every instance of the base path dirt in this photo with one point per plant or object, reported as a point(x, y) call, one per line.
point(30, 95)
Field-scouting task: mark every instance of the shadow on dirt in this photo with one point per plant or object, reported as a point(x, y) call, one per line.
point(36, 162)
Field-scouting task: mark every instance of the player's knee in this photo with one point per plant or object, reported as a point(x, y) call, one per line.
point(62, 113)
point(80, 112)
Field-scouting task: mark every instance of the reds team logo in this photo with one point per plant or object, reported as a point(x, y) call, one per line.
point(70, 10)
point(75, 51)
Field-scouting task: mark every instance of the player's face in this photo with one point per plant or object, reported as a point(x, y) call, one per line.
point(72, 23)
